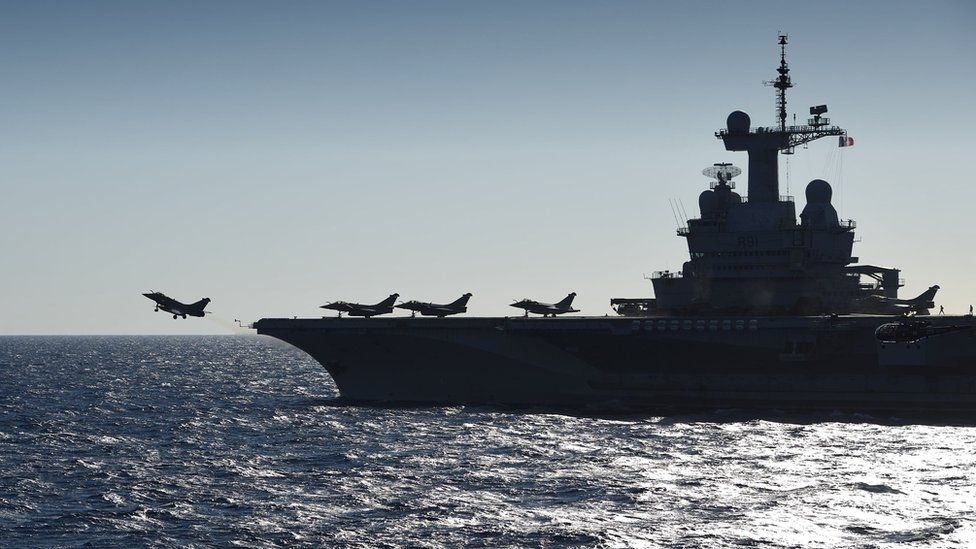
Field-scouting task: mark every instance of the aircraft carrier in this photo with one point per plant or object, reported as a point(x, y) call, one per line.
point(768, 312)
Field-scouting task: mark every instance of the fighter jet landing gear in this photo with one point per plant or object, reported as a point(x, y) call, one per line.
point(174, 317)
point(156, 310)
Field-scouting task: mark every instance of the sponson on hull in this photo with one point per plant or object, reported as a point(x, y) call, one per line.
point(768, 311)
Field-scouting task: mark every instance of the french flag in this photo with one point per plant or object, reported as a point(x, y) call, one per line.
point(845, 141)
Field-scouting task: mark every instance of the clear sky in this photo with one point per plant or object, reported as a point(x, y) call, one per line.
point(274, 156)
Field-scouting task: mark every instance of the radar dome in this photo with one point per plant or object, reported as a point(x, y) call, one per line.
point(819, 191)
point(818, 213)
point(738, 122)
point(708, 204)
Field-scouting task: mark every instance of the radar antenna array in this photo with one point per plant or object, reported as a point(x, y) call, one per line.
point(722, 172)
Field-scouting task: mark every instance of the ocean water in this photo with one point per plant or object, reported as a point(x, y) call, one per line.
point(241, 441)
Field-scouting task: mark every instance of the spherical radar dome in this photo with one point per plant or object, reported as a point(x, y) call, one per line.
point(738, 122)
point(819, 191)
point(707, 203)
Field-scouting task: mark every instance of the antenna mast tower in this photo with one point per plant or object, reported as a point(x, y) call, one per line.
point(782, 83)
point(764, 143)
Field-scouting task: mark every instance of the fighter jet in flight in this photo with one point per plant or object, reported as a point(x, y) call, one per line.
point(358, 309)
point(178, 309)
point(547, 309)
point(436, 309)
point(890, 305)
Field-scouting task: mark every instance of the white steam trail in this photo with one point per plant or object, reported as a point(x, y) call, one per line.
point(233, 327)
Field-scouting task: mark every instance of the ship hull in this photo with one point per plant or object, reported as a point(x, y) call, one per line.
point(647, 363)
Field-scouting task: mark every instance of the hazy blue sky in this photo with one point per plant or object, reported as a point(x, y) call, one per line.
point(274, 156)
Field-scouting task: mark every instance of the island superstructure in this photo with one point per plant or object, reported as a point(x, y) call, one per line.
point(748, 254)
point(768, 311)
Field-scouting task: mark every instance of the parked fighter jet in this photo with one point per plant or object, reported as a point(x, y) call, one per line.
point(170, 305)
point(358, 309)
point(890, 305)
point(547, 309)
point(435, 309)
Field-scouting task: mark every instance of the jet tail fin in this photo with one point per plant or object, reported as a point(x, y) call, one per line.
point(388, 302)
point(201, 305)
point(927, 295)
point(461, 301)
point(567, 301)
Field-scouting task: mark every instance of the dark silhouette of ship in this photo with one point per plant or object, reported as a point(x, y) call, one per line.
point(767, 312)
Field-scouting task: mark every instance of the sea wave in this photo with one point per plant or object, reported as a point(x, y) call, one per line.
point(175, 441)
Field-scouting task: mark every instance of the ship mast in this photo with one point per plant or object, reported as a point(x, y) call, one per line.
point(765, 143)
point(782, 83)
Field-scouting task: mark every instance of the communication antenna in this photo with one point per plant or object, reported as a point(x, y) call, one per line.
point(684, 214)
point(782, 83)
point(677, 225)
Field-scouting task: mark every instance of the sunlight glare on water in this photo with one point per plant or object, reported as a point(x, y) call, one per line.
point(120, 441)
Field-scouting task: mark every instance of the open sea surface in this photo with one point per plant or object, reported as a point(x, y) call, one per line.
point(242, 441)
